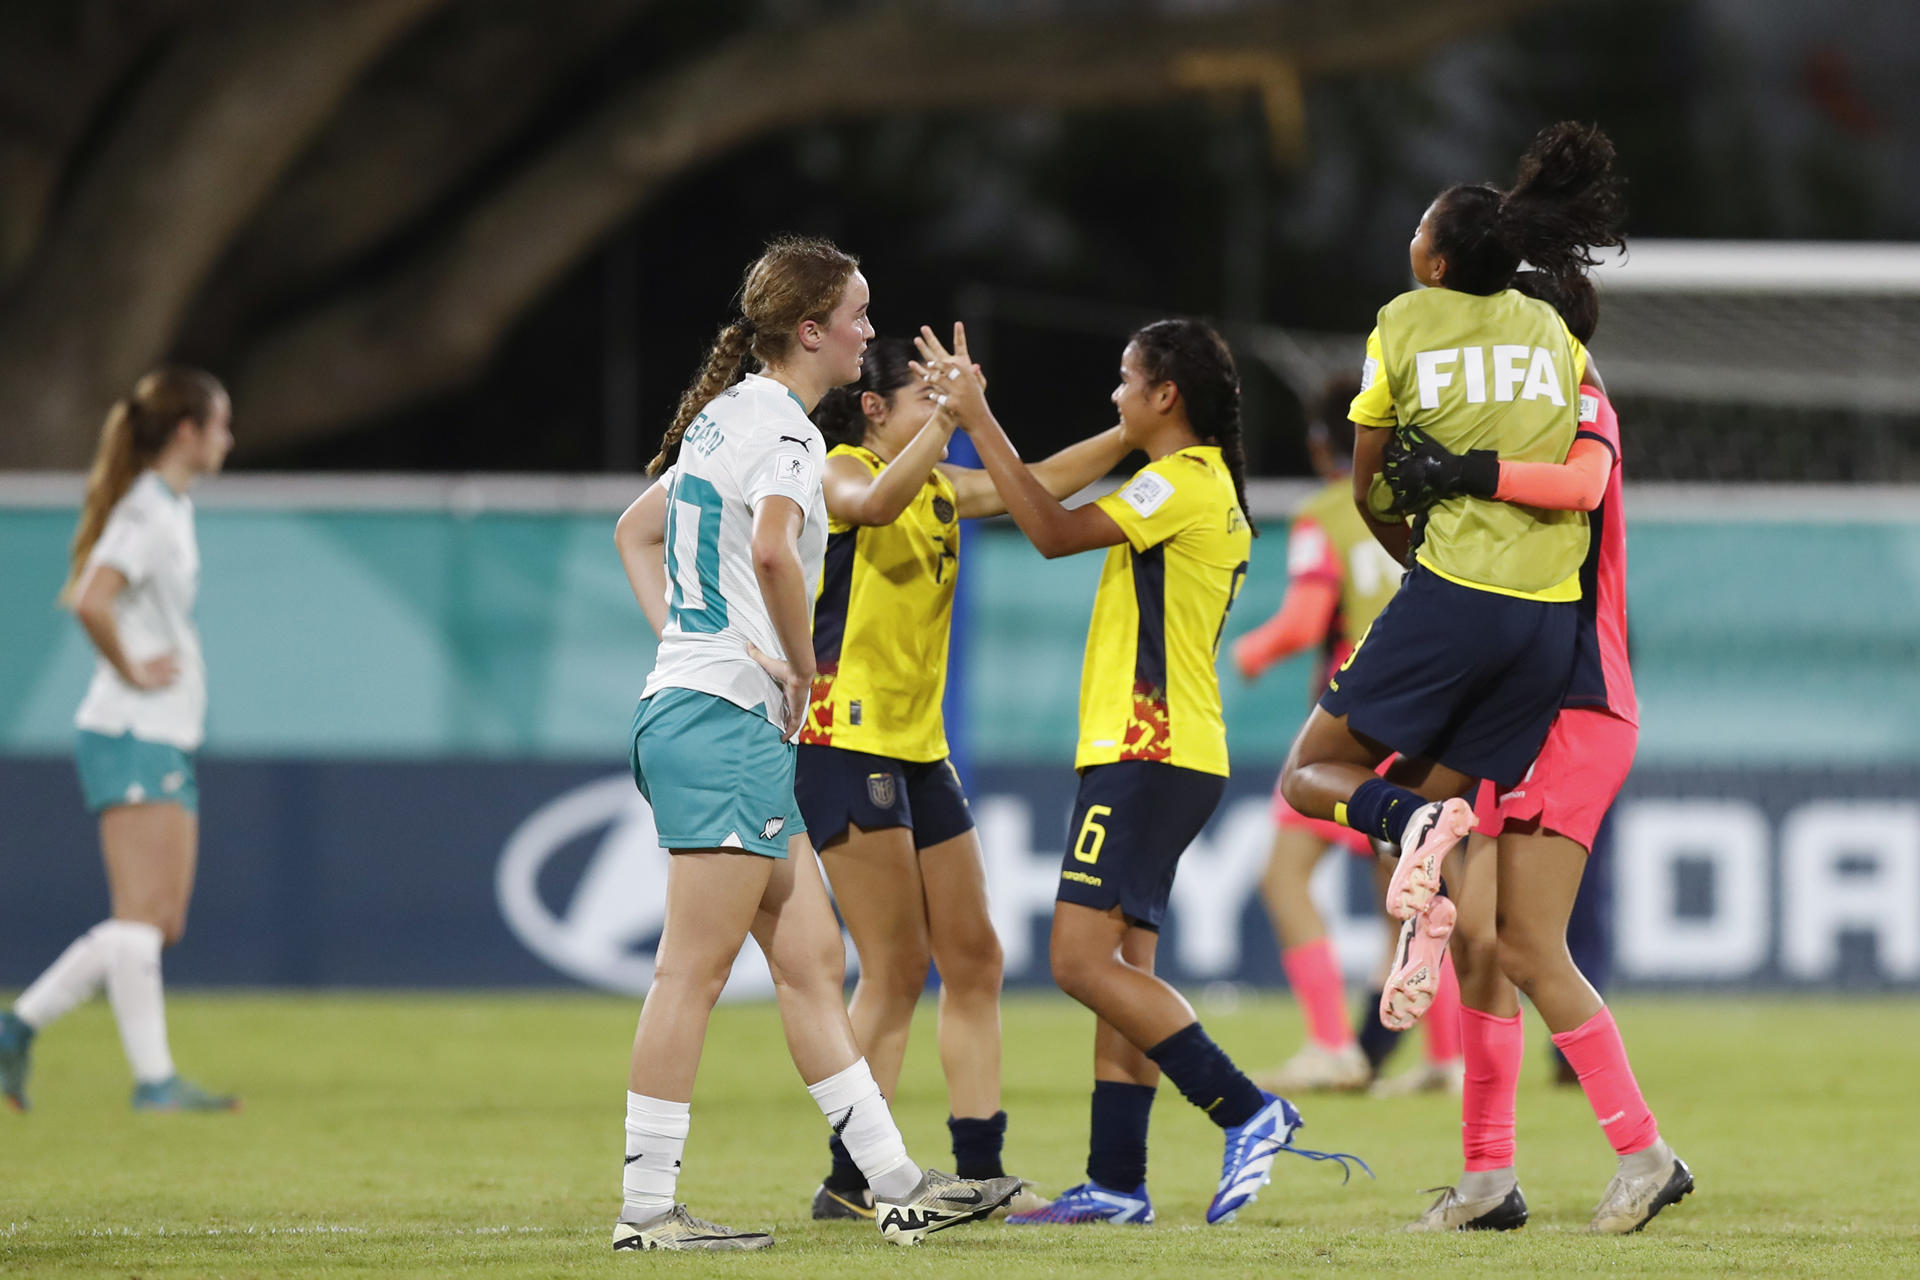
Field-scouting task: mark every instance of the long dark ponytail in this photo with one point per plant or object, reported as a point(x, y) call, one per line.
point(1565, 203)
point(1197, 360)
point(883, 370)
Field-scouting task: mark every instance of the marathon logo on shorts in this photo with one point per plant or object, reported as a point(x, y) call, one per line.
point(880, 790)
point(1081, 877)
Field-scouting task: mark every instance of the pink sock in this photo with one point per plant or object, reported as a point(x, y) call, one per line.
point(1442, 1022)
point(1599, 1058)
point(1314, 975)
point(1493, 1047)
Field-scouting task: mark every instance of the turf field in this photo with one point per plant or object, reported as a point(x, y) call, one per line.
point(426, 1135)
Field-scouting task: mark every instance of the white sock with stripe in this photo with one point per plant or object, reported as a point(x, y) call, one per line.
point(656, 1139)
point(852, 1103)
point(68, 982)
point(139, 1004)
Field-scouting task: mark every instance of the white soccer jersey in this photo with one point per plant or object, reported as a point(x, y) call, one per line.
point(752, 441)
point(149, 538)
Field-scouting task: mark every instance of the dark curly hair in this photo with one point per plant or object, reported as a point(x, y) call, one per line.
point(1573, 296)
point(1565, 203)
point(1197, 360)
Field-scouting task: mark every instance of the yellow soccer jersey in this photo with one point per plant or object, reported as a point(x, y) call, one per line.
point(1501, 373)
point(1148, 689)
point(880, 625)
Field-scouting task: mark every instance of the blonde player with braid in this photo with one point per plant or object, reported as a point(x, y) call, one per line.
point(723, 554)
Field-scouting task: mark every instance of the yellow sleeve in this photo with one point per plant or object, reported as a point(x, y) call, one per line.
point(1579, 357)
point(1151, 508)
point(1373, 407)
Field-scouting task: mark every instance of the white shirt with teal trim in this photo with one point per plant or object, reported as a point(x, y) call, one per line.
point(752, 442)
point(149, 538)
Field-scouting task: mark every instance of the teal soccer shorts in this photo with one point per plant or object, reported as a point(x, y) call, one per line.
point(129, 770)
point(718, 776)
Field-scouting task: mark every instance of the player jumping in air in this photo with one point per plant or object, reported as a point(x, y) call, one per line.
point(1464, 670)
point(135, 574)
point(880, 798)
point(1546, 826)
point(723, 553)
point(1152, 754)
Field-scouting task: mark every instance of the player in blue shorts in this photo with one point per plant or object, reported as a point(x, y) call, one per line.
point(723, 553)
point(134, 579)
point(1153, 752)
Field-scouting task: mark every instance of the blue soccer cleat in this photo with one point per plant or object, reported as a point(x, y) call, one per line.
point(176, 1093)
point(1091, 1202)
point(16, 1043)
point(1251, 1148)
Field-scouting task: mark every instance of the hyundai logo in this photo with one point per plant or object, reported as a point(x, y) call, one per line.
point(602, 928)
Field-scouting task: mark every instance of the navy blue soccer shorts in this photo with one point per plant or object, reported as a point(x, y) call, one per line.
point(1470, 678)
point(1131, 822)
point(837, 788)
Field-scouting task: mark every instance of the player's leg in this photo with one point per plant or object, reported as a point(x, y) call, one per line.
point(1487, 1196)
point(1377, 1040)
point(796, 928)
point(967, 951)
point(1124, 1083)
point(712, 897)
point(1330, 1059)
point(876, 880)
point(1539, 877)
point(151, 852)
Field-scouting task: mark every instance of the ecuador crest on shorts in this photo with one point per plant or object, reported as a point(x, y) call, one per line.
point(880, 790)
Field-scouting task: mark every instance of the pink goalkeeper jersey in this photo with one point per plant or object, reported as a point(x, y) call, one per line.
point(1602, 672)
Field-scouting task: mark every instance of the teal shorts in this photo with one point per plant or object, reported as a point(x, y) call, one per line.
point(129, 770)
point(717, 776)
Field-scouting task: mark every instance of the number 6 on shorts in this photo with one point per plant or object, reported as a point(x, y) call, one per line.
point(1087, 845)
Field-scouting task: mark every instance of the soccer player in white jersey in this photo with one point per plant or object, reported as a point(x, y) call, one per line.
point(135, 572)
point(724, 554)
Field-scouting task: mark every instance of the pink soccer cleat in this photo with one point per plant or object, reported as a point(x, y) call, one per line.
point(1425, 841)
point(1415, 980)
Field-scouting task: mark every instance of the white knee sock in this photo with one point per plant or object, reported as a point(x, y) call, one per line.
point(860, 1118)
point(68, 982)
point(133, 988)
point(656, 1136)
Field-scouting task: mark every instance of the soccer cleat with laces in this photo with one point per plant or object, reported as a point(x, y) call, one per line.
point(1452, 1212)
point(1426, 840)
point(938, 1201)
point(1647, 1182)
point(1251, 1147)
point(831, 1204)
point(16, 1059)
point(176, 1093)
point(1409, 990)
point(681, 1231)
point(1090, 1202)
point(1318, 1069)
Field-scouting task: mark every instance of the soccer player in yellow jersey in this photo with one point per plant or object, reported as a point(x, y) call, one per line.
point(1153, 749)
point(879, 796)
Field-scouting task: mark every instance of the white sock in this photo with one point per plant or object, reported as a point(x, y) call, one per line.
point(139, 1005)
point(656, 1137)
point(68, 982)
point(852, 1104)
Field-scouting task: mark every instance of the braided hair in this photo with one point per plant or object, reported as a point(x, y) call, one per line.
point(1197, 360)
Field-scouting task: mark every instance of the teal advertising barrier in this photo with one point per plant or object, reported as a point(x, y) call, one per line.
point(1758, 638)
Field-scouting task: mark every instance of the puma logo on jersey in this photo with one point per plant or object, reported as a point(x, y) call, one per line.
point(1517, 373)
point(795, 440)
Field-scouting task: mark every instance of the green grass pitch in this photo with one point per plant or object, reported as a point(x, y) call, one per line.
point(429, 1134)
